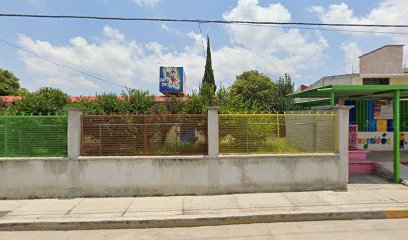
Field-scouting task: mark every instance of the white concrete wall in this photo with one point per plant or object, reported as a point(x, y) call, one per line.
point(144, 176)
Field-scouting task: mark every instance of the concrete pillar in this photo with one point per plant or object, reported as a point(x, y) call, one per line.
point(74, 133)
point(213, 132)
point(213, 150)
point(343, 142)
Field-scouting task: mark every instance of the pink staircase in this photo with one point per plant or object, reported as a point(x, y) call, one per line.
point(358, 163)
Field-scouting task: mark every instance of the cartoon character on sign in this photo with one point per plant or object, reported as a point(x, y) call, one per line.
point(402, 141)
point(173, 79)
point(384, 139)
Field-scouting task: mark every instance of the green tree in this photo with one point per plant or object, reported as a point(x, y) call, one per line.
point(9, 84)
point(105, 103)
point(283, 87)
point(173, 104)
point(138, 101)
point(229, 103)
point(42, 102)
point(195, 104)
point(22, 92)
point(208, 82)
point(255, 91)
point(207, 95)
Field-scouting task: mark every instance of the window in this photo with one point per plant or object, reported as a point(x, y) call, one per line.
point(376, 81)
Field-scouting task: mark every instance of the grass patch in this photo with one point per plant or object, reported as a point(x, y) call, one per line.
point(267, 146)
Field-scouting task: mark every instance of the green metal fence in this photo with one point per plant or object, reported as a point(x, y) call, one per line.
point(277, 133)
point(32, 136)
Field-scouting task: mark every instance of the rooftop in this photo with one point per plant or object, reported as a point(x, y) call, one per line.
point(354, 92)
point(389, 45)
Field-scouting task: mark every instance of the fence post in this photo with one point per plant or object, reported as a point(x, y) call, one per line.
point(145, 135)
point(74, 132)
point(213, 150)
point(342, 141)
point(213, 131)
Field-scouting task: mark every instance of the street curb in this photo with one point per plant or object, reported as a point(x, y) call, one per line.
point(198, 222)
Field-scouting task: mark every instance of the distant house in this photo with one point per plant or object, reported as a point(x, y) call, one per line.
point(373, 115)
point(382, 66)
point(9, 99)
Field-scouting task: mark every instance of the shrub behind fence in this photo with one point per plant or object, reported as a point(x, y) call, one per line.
point(277, 133)
point(31, 136)
point(136, 135)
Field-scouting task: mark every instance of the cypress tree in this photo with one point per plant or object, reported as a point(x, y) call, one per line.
point(208, 79)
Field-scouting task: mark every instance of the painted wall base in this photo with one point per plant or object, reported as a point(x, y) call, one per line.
point(361, 167)
point(151, 176)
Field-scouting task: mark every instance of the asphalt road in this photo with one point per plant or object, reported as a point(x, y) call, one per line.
point(334, 230)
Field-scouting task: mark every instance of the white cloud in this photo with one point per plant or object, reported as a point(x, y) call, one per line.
point(125, 62)
point(316, 9)
point(165, 27)
point(337, 13)
point(271, 49)
point(122, 62)
point(387, 12)
point(147, 3)
point(112, 33)
point(351, 52)
point(172, 30)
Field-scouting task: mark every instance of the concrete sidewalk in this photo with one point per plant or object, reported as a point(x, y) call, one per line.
point(375, 200)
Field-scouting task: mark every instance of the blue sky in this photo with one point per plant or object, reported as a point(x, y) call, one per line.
point(130, 53)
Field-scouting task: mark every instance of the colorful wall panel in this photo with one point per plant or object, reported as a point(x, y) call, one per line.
point(365, 112)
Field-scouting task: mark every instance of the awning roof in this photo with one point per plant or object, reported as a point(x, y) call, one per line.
point(395, 92)
point(354, 92)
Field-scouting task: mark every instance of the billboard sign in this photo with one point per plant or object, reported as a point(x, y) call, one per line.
point(172, 80)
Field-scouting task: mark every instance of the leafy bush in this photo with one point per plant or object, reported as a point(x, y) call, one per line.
point(45, 101)
point(138, 101)
point(252, 92)
point(9, 84)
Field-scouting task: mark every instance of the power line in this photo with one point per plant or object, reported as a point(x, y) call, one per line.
point(61, 65)
point(284, 25)
point(202, 21)
point(327, 29)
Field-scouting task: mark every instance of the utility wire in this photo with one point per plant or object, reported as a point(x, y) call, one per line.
point(202, 20)
point(326, 29)
point(284, 25)
point(61, 65)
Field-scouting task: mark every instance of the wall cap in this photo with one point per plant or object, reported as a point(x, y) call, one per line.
point(33, 158)
point(206, 157)
point(343, 107)
point(73, 109)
